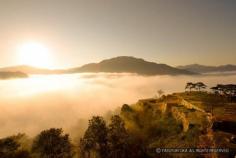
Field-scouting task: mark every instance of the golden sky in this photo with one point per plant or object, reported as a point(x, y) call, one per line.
point(81, 31)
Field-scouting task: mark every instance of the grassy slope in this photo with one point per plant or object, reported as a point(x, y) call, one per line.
point(170, 122)
point(223, 109)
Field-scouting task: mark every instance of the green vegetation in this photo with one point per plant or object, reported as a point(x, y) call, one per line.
point(12, 147)
point(52, 144)
point(95, 138)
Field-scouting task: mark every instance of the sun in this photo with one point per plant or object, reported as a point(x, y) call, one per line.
point(35, 54)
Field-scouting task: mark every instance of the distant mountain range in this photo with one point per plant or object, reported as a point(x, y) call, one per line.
point(30, 70)
point(10, 75)
point(130, 65)
point(114, 65)
point(208, 69)
point(126, 64)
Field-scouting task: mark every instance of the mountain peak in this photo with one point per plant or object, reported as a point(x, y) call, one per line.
point(129, 64)
point(124, 59)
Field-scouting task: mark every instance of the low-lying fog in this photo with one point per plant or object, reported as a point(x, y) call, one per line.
point(40, 102)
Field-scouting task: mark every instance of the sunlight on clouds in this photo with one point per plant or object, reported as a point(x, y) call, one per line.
point(40, 102)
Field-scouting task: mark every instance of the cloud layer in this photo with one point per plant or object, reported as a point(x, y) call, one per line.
point(67, 101)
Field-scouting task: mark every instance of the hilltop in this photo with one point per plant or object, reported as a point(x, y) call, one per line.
point(131, 65)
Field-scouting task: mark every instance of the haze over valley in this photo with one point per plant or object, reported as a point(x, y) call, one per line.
point(43, 101)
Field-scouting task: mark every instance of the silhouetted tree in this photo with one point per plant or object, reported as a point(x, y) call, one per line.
point(160, 92)
point(126, 108)
point(215, 90)
point(228, 90)
point(200, 85)
point(118, 139)
point(95, 139)
point(52, 144)
point(189, 86)
point(10, 148)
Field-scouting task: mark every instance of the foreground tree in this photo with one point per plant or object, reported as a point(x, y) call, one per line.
point(8, 145)
point(118, 138)
point(10, 148)
point(52, 144)
point(112, 142)
point(95, 139)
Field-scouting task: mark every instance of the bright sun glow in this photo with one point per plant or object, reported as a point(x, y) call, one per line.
point(35, 54)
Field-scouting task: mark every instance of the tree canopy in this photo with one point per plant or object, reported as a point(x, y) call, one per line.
point(197, 86)
point(52, 144)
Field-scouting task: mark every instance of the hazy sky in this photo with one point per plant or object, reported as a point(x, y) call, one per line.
point(175, 32)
